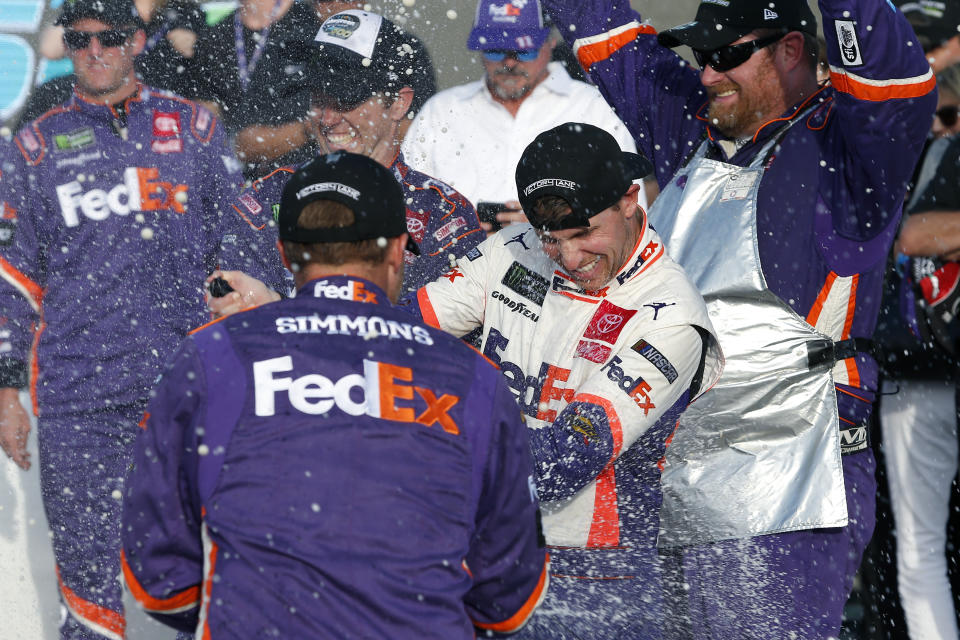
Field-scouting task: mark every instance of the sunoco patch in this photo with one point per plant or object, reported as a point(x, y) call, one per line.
point(79, 139)
point(530, 285)
point(657, 359)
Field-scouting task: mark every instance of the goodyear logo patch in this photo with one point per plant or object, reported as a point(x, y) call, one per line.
point(528, 284)
point(79, 139)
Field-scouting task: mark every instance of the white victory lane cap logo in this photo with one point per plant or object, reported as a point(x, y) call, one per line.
point(354, 30)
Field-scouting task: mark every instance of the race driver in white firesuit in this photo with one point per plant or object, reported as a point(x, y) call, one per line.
point(604, 341)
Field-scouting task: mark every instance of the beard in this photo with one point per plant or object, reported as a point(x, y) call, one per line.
point(512, 91)
point(757, 102)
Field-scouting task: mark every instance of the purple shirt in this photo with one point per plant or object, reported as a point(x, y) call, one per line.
point(116, 225)
point(344, 470)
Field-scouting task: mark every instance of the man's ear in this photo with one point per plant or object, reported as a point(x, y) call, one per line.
point(791, 49)
point(630, 203)
point(395, 255)
point(400, 106)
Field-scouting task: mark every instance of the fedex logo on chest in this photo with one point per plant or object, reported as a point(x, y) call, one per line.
point(141, 190)
point(539, 396)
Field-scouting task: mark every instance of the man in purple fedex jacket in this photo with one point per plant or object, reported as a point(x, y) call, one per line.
point(327, 467)
point(111, 223)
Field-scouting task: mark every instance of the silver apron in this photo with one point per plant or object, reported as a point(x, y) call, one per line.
point(760, 452)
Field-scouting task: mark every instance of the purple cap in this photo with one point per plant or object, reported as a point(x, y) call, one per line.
point(508, 24)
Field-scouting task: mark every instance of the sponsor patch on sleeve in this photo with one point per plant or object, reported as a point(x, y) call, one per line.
point(449, 228)
point(250, 203)
point(849, 44)
point(657, 359)
point(79, 139)
point(166, 124)
point(473, 254)
point(528, 284)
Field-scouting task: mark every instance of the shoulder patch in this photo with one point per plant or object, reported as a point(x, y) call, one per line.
point(527, 283)
point(849, 44)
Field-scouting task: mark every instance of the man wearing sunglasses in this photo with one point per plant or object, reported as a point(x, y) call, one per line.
point(472, 135)
point(780, 199)
point(359, 108)
point(113, 224)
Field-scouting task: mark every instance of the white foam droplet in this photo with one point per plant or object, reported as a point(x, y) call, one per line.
point(365, 62)
point(181, 196)
point(116, 495)
point(382, 242)
point(409, 3)
point(146, 233)
point(203, 450)
point(451, 14)
point(5, 132)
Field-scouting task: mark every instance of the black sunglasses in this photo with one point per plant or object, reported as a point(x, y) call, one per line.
point(948, 115)
point(733, 55)
point(76, 40)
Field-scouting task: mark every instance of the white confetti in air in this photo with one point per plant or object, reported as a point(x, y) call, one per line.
point(382, 242)
point(116, 495)
point(366, 62)
point(451, 14)
point(181, 197)
point(203, 450)
point(409, 3)
point(146, 233)
point(5, 132)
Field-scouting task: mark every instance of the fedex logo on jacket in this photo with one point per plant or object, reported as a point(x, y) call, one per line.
point(384, 388)
point(141, 190)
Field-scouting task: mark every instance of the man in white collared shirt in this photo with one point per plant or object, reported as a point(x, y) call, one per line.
point(472, 135)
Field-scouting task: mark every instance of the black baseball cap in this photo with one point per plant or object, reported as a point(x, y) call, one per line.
point(368, 188)
point(580, 163)
point(720, 22)
point(356, 54)
point(116, 13)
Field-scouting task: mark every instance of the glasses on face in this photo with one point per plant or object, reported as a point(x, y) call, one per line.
point(76, 40)
point(523, 55)
point(948, 115)
point(733, 55)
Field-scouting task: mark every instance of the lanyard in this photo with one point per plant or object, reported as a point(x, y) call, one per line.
point(245, 68)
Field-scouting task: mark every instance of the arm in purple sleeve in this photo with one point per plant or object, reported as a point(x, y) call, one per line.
point(162, 548)
point(885, 97)
point(612, 409)
point(654, 91)
point(507, 559)
point(21, 267)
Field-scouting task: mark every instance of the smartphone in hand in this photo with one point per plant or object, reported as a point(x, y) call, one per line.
point(487, 212)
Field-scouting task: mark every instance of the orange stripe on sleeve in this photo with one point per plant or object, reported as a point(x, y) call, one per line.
point(102, 620)
point(426, 308)
point(881, 90)
point(853, 372)
point(817, 307)
point(598, 48)
point(518, 619)
point(183, 601)
point(605, 527)
point(30, 289)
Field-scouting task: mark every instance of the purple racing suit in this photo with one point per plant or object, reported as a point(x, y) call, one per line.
point(441, 221)
point(328, 467)
point(112, 224)
point(827, 210)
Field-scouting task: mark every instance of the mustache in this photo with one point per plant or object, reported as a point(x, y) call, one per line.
point(511, 72)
